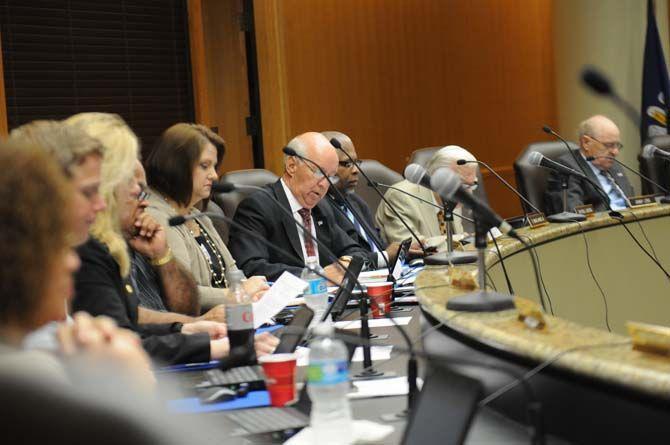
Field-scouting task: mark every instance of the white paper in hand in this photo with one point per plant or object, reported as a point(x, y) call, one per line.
point(285, 289)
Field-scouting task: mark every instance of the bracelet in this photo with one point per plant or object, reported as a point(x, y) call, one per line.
point(164, 260)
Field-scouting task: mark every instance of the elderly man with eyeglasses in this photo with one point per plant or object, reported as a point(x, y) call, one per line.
point(425, 215)
point(599, 144)
point(300, 191)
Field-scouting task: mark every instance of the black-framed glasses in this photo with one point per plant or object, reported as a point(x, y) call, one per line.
point(348, 164)
point(608, 145)
point(317, 173)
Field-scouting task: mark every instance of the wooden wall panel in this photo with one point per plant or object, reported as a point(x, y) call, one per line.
point(219, 68)
point(397, 75)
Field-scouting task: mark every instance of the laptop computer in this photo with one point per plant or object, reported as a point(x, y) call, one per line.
point(444, 408)
point(344, 292)
point(400, 260)
point(289, 340)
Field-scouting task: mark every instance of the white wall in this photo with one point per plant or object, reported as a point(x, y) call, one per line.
point(608, 34)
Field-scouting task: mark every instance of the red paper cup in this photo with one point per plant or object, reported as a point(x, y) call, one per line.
point(280, 371)
point(380, 298)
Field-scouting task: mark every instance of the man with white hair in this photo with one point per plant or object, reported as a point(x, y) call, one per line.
point(425, 220)
point(300, 191)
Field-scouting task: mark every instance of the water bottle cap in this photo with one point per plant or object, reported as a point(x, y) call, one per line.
point(324, 329)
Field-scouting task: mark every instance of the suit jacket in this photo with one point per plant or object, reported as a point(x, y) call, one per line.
point(421, 217)
point(580, 192)
point(258, 213)
point(187, 250)
point(100, 290)
point(366, 220)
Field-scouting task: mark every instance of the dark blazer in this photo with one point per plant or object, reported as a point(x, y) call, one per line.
point(580, 192)
point(366, 219)
point(100, 290)
point(258, 213)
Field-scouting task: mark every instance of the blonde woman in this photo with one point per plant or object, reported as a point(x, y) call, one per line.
point(103, 285)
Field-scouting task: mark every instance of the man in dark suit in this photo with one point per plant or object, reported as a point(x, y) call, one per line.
point(300, 190)
point(599, 138)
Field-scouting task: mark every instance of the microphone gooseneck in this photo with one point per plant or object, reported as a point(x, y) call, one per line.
point(335, 143)
point(501, 179)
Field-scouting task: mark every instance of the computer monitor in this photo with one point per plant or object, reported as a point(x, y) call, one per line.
point(344, 292)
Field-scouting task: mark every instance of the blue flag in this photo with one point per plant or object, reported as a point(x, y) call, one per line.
point(655, 84)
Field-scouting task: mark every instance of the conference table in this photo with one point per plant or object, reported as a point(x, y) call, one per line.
point(581, 366)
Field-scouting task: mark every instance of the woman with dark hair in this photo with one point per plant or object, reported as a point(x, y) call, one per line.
point(180, 171)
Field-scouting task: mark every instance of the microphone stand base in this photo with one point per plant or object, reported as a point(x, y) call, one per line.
point(371, 373)
point(481, 301)
point(665, 200)
point(446, 258)
point(566, 217)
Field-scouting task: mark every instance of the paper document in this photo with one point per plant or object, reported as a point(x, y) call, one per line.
point(285, 289)
point(396, 386)
point(376, 352)
point(373, 323)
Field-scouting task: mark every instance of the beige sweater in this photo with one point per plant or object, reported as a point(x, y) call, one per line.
point(186, 249)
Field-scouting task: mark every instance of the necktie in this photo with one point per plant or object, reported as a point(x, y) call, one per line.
point(615, 186)
point(306, 216)
point(442, 221)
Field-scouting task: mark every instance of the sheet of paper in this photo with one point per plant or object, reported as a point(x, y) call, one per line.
point(396, 386)
point(377, 353)
point(285, 289)
point(363, 431)
point(373, 323)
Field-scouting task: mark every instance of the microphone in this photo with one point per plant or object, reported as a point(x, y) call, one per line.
point(501, 179)
point(447, 184)
point(416, 174)
point(652, 151)
point(599, 84)
point(222, 187)
point(538, 160)
point(335, 143)
point(291, 152)
point(379, 184)
point(646, 178)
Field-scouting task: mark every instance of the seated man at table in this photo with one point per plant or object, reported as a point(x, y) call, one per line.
point(300, 191)
point(598, 137)
point(425, 219)
point(361, 225)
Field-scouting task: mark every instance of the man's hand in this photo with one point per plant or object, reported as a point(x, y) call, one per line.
point(217, 313)
point(215, 329)
point(415, 251)
point(150, 239)
point(334, 272)
point(392, 252)
point(255, 287)
point(98, 340)
point(265, 344)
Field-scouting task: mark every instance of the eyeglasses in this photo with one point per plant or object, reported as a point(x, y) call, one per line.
point(608, 145)
point(317, 173)
point(349, 164)
point(144, 195)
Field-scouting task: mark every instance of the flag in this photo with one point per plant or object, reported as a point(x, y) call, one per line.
point(655, 84)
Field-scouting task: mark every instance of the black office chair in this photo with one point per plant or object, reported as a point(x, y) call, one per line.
point(255, 176)
point(658, 170)
point(532, 180)
point(378, 172)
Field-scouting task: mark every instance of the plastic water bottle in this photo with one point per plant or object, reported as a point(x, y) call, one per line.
point(240, 315)
point(327, 386)
point(316, 294)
